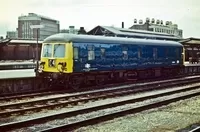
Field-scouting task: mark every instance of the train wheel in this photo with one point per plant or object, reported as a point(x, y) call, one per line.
point(75, 83)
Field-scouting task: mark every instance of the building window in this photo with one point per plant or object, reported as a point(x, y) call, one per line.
point(91, 54)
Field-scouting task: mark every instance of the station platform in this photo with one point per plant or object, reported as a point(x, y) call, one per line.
point(14, 74)
point(190, 64)
point(12, 65)
point(16, 63)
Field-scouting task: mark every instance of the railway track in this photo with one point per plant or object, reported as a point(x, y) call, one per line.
point(34, 93)
point(10, 97)
point(64, 100)
point(197, 129)
point(100, 112)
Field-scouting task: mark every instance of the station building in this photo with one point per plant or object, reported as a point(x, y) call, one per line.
point(192, 49)
point(15, 49)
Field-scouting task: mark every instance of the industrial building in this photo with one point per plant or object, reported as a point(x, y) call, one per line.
point(51, 26)
point(158, 26)
point(12, 34)
point(73, 30)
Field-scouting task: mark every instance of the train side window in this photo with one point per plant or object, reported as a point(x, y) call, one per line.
point(155, 53)
point(166, 52)
point(139, 53)
point(91, 54)
point(177, 53)
point(103, 54)
point(76, 53)
point(125, 53)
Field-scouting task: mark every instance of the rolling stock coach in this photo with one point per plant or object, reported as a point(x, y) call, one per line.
point(74, 60)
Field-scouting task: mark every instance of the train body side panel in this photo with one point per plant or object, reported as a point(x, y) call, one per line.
point(107, 57)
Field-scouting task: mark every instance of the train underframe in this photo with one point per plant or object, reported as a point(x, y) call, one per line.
point(77, 80)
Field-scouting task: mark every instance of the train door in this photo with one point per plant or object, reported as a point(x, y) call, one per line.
point(183, 56)
point(76, 59)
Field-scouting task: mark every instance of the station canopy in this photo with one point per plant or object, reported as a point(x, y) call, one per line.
point(4, 42)
point(18, 42)
point(131, 33)
point(191, 42)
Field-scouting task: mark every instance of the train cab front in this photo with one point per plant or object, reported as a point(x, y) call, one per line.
point(54, 59)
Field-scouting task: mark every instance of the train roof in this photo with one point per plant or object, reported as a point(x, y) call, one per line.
point(65, 37)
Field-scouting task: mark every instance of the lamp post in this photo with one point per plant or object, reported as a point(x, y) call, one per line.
point(37, 27)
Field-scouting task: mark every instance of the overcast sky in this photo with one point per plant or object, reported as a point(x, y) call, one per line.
point(90, 13)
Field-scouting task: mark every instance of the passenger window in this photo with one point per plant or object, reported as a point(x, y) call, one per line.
point(166, 52)
point(155, 53)
point(139, 53)
point(125, 53)
point(103, 52)
point(91, 54)
point(76, 55)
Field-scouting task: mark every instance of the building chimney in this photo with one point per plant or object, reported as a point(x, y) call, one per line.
point(122, 24)
point(140, 21)
point(161, 22)
point(82, 31)
point(135, 21)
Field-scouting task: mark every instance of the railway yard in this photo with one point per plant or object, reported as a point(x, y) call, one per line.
point(156, 96)
point(58, 73)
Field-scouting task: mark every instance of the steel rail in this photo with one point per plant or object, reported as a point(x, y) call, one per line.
point(26, 123)
point(81, 97)
point(105, 117)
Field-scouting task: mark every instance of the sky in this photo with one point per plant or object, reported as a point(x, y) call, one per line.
point(90, 13)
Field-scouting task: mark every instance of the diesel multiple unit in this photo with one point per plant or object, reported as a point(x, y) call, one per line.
point(75, 60)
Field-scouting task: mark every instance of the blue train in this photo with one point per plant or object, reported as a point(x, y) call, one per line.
point(74, 60)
